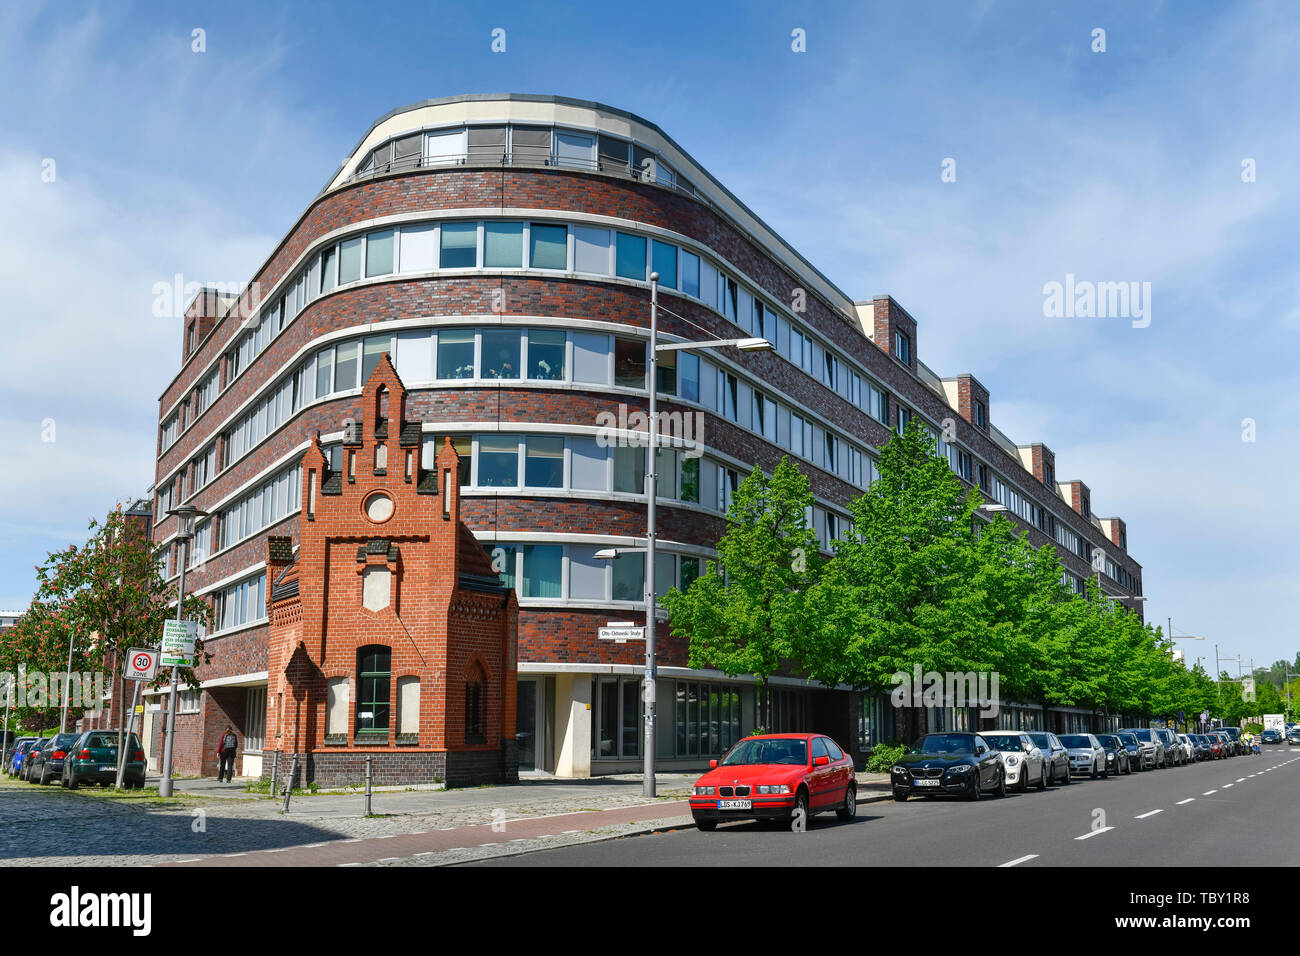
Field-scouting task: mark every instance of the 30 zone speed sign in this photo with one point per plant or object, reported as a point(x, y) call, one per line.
point(141, 663)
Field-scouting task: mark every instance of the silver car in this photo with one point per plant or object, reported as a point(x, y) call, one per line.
point(1087, 755)
point(1054, 753)
point(1023, 761)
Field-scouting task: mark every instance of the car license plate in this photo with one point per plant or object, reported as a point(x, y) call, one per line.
point(107, 766)
point(735, 804)
point(926, 783)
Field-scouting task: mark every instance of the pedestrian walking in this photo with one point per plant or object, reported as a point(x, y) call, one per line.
point(226, 751)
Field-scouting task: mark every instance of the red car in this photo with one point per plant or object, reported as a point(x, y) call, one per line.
point(784, 777)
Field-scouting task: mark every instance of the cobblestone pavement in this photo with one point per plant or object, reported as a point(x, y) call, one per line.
point(50, 826)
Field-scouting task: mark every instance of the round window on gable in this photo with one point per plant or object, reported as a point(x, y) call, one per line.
point(378, 507)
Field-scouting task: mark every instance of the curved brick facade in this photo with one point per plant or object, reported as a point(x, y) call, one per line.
point(573, 672)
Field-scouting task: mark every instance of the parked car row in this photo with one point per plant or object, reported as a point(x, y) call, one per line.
point(74, 759)
point(970, 765)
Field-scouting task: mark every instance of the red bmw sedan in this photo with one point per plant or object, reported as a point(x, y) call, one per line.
point(784, 777)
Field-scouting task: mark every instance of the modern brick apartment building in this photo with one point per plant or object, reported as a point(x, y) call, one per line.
point(499, 249)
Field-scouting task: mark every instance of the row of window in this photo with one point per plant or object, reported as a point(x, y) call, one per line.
point(573, 572)
point(520, 144)
point(240, 603)
point(375, 713)
point(526, 244)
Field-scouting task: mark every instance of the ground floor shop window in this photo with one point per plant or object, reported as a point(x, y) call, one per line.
point(706, 718)
point(618, 727)
point(875, 721)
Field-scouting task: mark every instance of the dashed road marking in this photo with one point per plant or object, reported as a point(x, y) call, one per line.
point(1018, 860)
point(1188, 800)
point(1208, 792)
point(1092, 833)
point(1149, 813)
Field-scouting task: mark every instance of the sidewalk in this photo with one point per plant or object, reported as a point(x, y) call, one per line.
point(435, 827)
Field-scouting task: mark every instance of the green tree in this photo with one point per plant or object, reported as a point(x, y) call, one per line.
point(745, 614)
point(109, 594)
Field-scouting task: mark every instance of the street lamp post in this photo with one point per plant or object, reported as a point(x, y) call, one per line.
point(750, 344)
point(648, 684)
point(185, 520)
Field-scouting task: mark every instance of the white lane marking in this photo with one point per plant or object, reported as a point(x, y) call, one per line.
point(189, 859)
point(1188, 800)
point(305, 845)
point(1092, 833)
point(1018, 860)
point(1208, 792)
point(388, 859)
point(1227, 785)
point(236, 854)
point(1239, 779)
point(1149, 813)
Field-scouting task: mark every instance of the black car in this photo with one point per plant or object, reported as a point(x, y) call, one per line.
point(1270, 737)
point(47, 764)
point(1136, 755)
point(1117, 758)
point(954, 764)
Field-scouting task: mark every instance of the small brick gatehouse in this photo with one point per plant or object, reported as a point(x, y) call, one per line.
point(390, 633)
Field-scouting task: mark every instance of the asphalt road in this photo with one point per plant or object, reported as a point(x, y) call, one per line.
point(1237, 812)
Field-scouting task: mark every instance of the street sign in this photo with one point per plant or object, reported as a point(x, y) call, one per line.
point(141, 663)
point(621, 634)
point(178, 643)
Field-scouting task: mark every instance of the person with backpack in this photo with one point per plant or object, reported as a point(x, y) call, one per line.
point(226, 751)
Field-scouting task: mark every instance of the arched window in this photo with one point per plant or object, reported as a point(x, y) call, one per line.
point(374, 689)
point(475, 705)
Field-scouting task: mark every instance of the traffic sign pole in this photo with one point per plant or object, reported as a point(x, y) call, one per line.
point(126, 741)
point(165, 784)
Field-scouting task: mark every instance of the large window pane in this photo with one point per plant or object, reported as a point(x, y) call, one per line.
point(349, 260)
point(666, 372)
point(586, 574)
point(503, 245)
point(379, 252)
point(629, 577)
point(544, 461)
point(459, 245)
point(629, 469)
point(324, 372)
point(501, 351)
point(445, 147)
point(418, 253)
point(587, 460)
point(590, 358)
point(546, 355)
point(376, 346)
point(629, 256)
point(542, 568)
point(690, 273)
point(502, 557)
point(328, 261)
point(345, 369)
point(548, 246)
point(414, 358)
point(629, 363)
point(498, 461)
point(690, 489)
point(574, 149)
point(591, 250)
point(664, 262)
point(688, 376)
point(456, 353)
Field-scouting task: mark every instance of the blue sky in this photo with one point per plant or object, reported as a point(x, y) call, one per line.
point(1117, 166)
